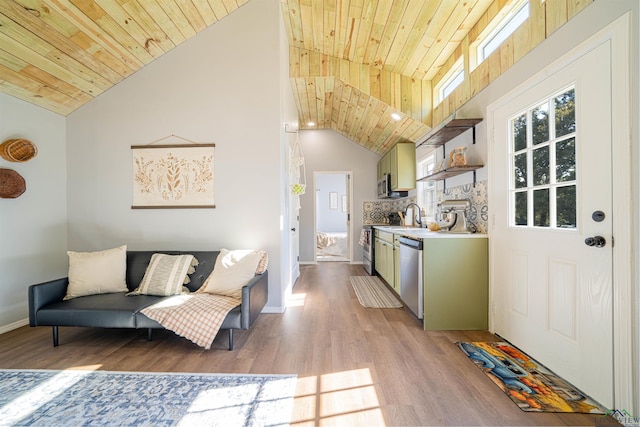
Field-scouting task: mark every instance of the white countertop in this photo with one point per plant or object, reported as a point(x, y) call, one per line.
point(425, 233)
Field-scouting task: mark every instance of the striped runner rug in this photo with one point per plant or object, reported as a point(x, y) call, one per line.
point(372, 293)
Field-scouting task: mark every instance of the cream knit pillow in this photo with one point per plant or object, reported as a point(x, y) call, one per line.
point(97, 272)
point(233, 269)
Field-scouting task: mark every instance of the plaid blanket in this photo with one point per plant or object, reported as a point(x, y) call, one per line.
point(197, 317)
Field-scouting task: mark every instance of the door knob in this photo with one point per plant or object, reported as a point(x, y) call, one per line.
point(597, 241)
point(293, 229)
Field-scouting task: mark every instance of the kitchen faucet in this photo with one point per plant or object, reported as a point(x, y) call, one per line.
point(416, 218)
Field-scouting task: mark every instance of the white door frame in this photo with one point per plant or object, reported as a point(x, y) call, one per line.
point(618, 33)
point(349, 211)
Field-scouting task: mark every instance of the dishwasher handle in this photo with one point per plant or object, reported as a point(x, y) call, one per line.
point(412, 243)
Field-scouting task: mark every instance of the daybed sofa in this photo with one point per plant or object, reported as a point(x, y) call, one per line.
point(47, 306)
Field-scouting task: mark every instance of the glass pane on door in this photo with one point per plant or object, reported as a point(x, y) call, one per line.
point(521, 210)
point(566, 207)
point(565, 113)
point(520, 170)
point(541, 217)
point(543, 156)
point(519, 133)
point(541, 166)
point(540, 124)
point(566, 160)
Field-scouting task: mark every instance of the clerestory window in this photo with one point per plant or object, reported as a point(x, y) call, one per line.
point(502, 29)
point(453, 79)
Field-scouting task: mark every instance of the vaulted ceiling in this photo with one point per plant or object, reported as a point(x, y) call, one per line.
point(60, 54)
point(353, 62)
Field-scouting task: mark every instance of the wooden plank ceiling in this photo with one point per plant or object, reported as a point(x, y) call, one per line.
point(353, 62)
point(60, 54)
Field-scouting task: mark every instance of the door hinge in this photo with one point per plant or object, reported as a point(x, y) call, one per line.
point(613, 242)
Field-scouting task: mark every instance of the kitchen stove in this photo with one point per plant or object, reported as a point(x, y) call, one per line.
point(367, 248)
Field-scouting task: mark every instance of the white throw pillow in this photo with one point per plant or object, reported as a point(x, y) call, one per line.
point(100, 272)
point(166, 274)
point(233, 269)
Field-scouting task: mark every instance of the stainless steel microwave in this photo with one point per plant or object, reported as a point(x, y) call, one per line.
point(384, 189)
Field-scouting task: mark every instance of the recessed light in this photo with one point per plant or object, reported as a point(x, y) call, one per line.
point(311, 124)
point(395, 116)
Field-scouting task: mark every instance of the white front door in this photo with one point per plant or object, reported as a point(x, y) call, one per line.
point(552, 226)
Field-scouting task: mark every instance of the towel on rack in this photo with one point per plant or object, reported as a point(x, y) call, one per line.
point(363, 238)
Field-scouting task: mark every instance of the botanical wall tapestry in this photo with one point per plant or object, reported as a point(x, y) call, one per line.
point(173, 176)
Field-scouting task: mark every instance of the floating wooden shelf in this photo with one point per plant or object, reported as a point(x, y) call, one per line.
point(445, 133)
point(450, 172)
point(439, 137)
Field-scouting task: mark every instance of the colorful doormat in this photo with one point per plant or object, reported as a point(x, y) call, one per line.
point(529, 384)
point(100, 398)
point(372, 293)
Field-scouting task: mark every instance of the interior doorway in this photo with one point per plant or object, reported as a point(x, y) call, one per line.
point(332, 216)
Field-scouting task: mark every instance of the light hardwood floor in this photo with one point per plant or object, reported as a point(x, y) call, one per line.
point(356, 366)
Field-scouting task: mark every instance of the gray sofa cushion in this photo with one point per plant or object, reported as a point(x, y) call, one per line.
point(105, 310)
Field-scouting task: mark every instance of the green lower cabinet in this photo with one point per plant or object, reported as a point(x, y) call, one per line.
point(396, 268)
point(389, 270)
point(379, 256)
point(456, 284)
point(384, 258)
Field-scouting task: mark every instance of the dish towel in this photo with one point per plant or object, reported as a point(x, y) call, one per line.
point(363, 238)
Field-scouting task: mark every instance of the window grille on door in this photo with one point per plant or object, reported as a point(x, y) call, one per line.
point(543, 164)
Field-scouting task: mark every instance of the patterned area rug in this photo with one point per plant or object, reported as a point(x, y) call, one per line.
point(529, 384)
point(372, 293)
point(100, 398)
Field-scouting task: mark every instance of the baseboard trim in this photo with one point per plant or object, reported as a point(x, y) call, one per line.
point(273, 310)
point(14, 325)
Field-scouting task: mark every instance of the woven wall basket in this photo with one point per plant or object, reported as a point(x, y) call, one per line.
point(18, 150)
point(12, 184)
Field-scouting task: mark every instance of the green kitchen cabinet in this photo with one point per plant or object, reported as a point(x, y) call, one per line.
point(384, 261)
point(379, 258)
point(456, 283)
point(400, 164)
point(396, 263)
point(384, 166)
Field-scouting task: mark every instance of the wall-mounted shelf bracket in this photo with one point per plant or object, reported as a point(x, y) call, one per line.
point(444, 182)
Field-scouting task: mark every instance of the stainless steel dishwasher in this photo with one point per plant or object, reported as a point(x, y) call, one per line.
point(411, 274)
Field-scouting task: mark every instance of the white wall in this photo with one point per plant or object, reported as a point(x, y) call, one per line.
point(222, 86)
point(33, 226)
point(289, 239)
point(326, 150)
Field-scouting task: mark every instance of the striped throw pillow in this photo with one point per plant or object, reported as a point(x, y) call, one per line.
point(165, 275)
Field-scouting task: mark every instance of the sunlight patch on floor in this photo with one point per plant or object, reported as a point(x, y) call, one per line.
point(40, 395)
point(340, 398)
point(296, 300)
